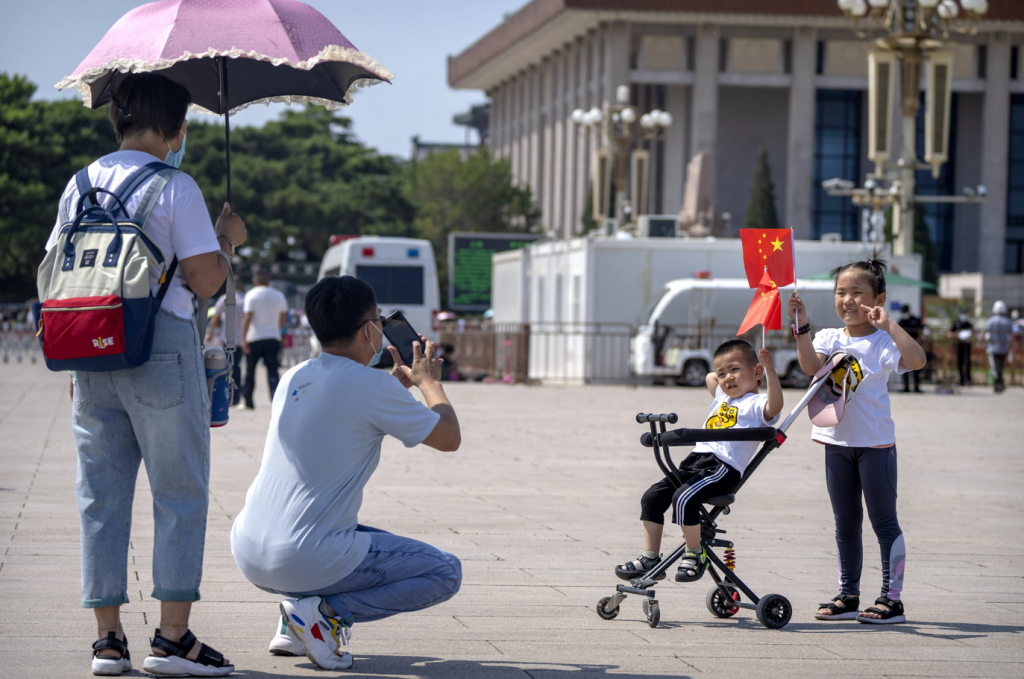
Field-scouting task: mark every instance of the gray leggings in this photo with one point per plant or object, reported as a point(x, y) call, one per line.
point(849, 473)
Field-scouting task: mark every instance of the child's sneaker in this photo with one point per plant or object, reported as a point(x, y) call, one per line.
point(284, 642)
point(692, 566)
point(321, 635)
point(631, 570)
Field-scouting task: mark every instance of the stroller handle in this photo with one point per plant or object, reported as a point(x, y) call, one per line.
point(644, 418)
point(688, 437)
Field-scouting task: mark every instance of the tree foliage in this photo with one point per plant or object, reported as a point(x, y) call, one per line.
point(295, 181)
point(475, 194)
point(42, 144)
point(761, 213)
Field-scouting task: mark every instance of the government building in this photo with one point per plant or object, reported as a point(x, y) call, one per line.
point(788, 76)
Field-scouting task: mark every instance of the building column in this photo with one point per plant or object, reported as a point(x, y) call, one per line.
point(595, 95)
point(553, 147)
point(994, 156)
point(515, 123)
point(583, 46)
point(534, 136)
point(675, 157)
point(800, 140)
point(704, 106)
point(567, 95)
point(494, 140)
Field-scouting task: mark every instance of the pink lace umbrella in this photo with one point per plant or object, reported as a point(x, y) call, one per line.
point(274, 50)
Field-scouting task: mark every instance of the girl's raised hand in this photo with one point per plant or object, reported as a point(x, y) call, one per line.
point(796, 305)
point(877, 316)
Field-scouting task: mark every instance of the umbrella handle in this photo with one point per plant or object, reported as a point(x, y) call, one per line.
point(227, 118)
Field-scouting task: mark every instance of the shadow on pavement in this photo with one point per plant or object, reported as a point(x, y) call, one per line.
point(944, 630)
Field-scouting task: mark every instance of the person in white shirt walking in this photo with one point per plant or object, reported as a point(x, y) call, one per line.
point(218, 321)
point(265, 312)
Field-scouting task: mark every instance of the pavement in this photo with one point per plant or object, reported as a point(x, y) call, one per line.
point(540, 503)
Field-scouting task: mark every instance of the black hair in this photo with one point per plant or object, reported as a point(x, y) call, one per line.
point(148, 101)
point(742, 346)
point(336, 308)
point(873, 269)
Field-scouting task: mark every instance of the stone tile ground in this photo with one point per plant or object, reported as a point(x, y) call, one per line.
point(540, 503)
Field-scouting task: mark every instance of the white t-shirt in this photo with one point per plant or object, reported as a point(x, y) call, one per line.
point(744, 412)
point(220, 310)
point(867, 420)
point(266, 305)
point(296, 532)
point(179, 224)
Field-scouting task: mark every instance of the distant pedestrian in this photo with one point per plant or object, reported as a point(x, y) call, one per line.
point(915, 328)
point(997, 333)
point(962, 332)
point(265, 314)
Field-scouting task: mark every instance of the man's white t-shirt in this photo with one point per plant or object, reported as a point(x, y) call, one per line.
point(744, 412)
point(179, 224)
point(296, 532)
point(867, 419)
point(266, 305)
point(220, 310)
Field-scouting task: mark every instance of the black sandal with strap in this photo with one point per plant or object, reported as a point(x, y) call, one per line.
point(209, 663)
point(105, 666)
point(848, 611)
point(692, 566)
point(894, 614)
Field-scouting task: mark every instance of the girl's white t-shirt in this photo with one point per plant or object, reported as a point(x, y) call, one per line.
point(744, 412)
point(179, 224)
point(867, 420)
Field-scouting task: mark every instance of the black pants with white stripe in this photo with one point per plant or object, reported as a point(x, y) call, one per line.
point(704, 475)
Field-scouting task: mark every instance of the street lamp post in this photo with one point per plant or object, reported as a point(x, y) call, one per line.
point(616, 122)
point(912, 30)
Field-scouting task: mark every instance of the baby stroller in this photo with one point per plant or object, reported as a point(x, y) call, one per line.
point(723, 600)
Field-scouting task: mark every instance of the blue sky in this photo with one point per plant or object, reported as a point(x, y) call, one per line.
point(46, 40)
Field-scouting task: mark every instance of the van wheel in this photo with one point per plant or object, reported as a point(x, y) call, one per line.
point(797, 378)
point(694, 373)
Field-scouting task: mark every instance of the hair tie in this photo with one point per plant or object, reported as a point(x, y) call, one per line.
point(120, 109)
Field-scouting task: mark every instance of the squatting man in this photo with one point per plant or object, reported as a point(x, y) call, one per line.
point(298, 535)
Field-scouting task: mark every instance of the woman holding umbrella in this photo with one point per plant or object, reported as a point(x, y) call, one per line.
point(159, 411)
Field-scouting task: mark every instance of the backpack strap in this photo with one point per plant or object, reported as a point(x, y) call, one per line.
point(131, 184)
point(84, 186)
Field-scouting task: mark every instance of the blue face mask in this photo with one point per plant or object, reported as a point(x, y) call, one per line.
point(174, 158)
point(376, 357)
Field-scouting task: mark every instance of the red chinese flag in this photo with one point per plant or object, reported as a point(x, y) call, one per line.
point(772, 248)
point(766, 308)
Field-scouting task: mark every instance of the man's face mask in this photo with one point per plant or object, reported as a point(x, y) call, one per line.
point(376, 356)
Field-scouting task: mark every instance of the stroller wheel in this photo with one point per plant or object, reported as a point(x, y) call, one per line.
point(652, 611)
point(719, 605)
point(603, 612)
point(774, 611)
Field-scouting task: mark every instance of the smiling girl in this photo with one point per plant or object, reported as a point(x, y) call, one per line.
point(860, 451)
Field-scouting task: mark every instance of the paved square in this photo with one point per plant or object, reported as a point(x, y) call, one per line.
point(540, 503)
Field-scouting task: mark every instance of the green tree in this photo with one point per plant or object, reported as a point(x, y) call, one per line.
point(42, 144)
point(923, 243)
point(452, 194)
point(587, 220)
point(761, 213)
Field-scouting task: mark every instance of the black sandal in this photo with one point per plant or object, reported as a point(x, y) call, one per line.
point(209, 663)
point(894, 615)
point(848, 611)
point(638, 568)
point(692, 567)
point(111, 666)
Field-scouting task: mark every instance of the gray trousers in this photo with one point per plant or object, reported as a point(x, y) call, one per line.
point(852, 473)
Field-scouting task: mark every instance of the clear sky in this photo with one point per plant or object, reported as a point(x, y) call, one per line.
point(46, 39)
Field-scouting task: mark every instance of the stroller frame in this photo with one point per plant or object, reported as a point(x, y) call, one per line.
point(723, 600)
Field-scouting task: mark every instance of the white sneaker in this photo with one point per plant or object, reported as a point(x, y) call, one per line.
point(320, 635)
point(285, 643)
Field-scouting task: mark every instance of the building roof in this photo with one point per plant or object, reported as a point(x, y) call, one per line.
point(560, 20)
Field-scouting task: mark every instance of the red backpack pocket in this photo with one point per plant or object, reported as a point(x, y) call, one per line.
point(82, 327)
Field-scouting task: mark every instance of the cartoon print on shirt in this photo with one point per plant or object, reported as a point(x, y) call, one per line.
point(839, 374)
point(724, 418)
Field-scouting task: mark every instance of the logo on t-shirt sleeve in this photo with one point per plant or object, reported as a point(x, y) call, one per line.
point(724, 418)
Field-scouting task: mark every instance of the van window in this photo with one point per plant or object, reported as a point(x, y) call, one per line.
point(394, 284)
point(336, 271)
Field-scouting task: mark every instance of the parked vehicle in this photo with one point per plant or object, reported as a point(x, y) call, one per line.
point(401, 271)
point(692, 316)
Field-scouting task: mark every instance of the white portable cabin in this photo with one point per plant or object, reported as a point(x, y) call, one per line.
point(587, 288)
point(401, 271)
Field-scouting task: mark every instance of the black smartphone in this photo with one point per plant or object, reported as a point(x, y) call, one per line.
point(401, 336)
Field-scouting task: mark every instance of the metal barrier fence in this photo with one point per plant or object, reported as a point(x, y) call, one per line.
point(18, 341)
point(942, 367)
point(541, 351)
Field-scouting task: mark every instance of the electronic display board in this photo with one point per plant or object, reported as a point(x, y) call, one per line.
point(469, 266)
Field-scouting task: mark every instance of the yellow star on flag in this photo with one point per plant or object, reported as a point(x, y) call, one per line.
point(776, 244)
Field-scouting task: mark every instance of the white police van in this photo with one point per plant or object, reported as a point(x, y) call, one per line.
point(401, 271)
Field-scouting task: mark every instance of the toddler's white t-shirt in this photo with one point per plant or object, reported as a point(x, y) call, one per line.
point(867, 420)
point(744, 412)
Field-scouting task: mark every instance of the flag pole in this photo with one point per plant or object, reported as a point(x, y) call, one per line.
point(796, 290)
